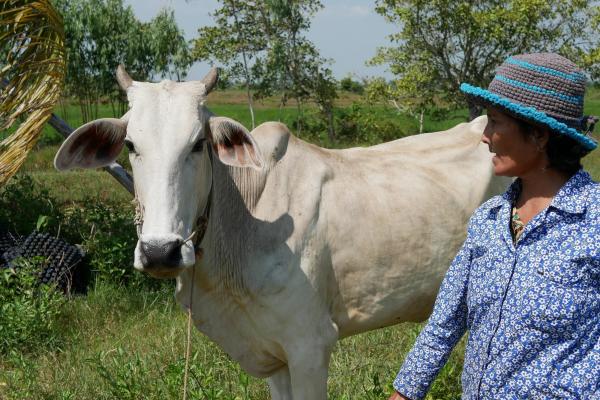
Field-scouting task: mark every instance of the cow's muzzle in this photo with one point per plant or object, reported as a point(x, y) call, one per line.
point(167, 254)
point(162, 258)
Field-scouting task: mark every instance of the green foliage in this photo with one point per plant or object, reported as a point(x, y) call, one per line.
point(105, 229)
point(25, 206)
point(263, 44)
point(108, 236)
point(170, 51)
point(359, 125)
point(443, 43)
point(350, 85)
point(102, 34)
point(29, 312)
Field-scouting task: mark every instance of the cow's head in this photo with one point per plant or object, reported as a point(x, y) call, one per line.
point(169, 133)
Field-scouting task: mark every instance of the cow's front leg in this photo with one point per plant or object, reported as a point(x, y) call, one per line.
point(280, 385)
point(308, 364)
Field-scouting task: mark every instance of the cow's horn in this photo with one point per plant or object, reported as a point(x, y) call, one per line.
point(210, 80)
point(123, 77)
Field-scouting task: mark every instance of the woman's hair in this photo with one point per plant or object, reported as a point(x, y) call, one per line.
point(564, 154)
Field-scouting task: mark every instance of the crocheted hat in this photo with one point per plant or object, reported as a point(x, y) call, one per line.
point(545, 89)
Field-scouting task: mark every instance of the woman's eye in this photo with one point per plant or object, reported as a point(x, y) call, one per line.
point(198, 146)
point(130, 146)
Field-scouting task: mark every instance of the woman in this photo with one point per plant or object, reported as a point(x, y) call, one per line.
point(526, 283)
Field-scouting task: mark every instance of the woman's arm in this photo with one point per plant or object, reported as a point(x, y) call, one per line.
point(444, 329)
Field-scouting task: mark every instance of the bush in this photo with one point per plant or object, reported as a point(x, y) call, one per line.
point(25, 206)
point(349, 85)
point(29, 312)
point(105, 230)
point(109, 238)
point(309, 126)
point(360, 125)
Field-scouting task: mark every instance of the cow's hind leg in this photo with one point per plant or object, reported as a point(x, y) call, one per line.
point(280, 385)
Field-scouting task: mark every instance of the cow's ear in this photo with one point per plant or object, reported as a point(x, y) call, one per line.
point(233, 143)
point(93, 145)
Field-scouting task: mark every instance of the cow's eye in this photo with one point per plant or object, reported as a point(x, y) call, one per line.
point(129, 145)
point(198, 146)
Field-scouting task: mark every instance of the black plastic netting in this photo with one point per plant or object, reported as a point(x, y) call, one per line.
point(7, 241)
point(60, 263)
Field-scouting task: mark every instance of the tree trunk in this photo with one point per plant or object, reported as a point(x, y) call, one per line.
point(63, 108)
point(246, 72)
point(113, 107)
point(474, 110)
point(331, 127)
point(250, 106)
point(300, 117)
point(421, 121)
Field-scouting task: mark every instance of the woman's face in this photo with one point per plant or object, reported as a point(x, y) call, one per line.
point(514, 153)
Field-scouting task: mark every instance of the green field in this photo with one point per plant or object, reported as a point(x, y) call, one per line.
point(123, 342)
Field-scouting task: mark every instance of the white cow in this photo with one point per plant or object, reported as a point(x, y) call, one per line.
point(304, 245)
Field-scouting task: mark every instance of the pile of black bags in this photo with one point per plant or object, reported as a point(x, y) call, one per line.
point(60, 263)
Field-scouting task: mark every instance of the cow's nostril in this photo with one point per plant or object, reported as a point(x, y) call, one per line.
point(162, 253)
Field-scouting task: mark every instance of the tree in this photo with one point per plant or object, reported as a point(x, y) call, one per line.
point(234, 40)
point(292, 65)
point(443, 43)
point(263, 43)
point(100, 34)
point(32, 71)
point(172, 53)
point(350, 85)
point(590, 51)
point(412, 95)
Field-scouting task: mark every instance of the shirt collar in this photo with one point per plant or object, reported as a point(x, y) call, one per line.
point(571, 197)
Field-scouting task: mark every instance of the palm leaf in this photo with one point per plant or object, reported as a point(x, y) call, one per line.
point(31, 75)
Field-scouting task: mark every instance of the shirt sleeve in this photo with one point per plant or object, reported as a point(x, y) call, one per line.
point(444, 329)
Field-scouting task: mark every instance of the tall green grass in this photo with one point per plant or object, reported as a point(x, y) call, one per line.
point(124, 344)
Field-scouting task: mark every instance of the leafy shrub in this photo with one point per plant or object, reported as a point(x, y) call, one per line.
point(350, 85)
point(309, 126)
point(105, 230)
point(108, 236)
point(358, 124)
point(25, 206)
point(29, 312)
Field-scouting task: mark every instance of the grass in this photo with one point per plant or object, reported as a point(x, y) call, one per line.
point(134, 347)
point(120, 343)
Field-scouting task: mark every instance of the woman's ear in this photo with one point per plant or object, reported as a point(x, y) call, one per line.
point(540, 137)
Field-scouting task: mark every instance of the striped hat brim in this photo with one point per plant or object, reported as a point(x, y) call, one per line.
point(486, 98)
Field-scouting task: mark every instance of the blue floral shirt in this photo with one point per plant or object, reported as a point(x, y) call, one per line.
point(532, 309)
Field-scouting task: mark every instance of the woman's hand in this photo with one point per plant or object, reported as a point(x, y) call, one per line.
point(398, 396)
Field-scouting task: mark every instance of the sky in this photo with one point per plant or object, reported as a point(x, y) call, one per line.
point(346, 31)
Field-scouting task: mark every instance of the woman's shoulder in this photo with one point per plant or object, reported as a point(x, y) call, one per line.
point(485, 216)
point(491, 204)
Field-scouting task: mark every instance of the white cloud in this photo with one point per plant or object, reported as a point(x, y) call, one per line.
point(359, 11)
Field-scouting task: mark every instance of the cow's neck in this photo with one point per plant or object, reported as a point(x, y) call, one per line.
point(229, 237)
